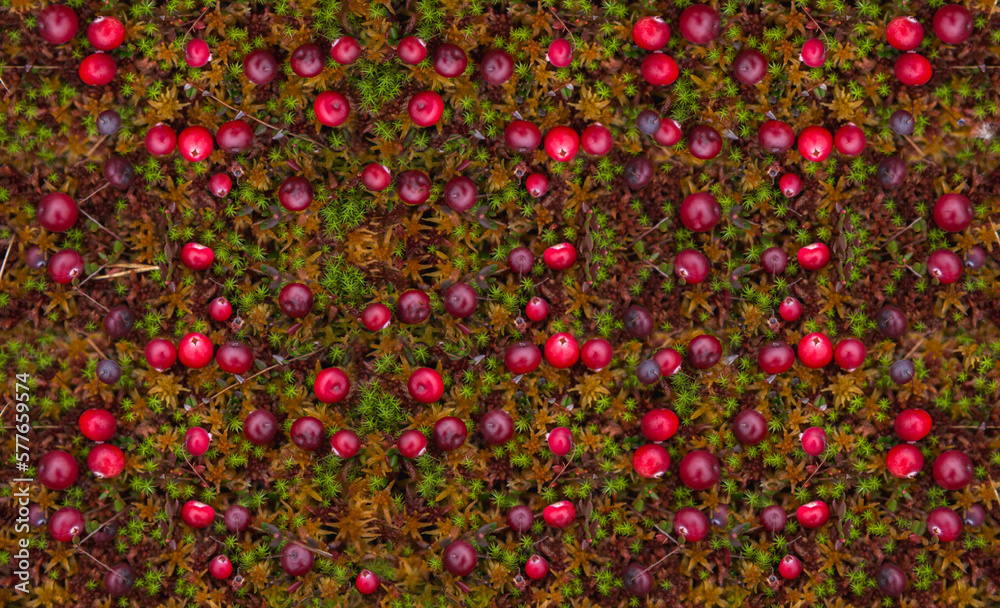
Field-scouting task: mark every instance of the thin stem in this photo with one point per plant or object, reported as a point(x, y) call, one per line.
point(4, 265)
point(96, 303)
point(114, 517)
point(820, 466)
point(263, 371)
point(102, 227)
point(255, 119)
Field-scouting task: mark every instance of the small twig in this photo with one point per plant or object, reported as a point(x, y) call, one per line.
point(565, 27)
point(4, 265)
point(30, 67)
point(566, 466)
point(96, 303)
point(102, 227)
point(99, 142)
point(188, 32)
point(915, 347)
point(993, 485)
point(136, 268)
point(99, 562)
point(895, 236)
point(639, 238)
point(915, 146)
point(92, 275)
point(95, 347)
point(191, 466)
point(263, 371)
point(91, 195)
point(821, 32)
point(116, 516)
point(818, 467)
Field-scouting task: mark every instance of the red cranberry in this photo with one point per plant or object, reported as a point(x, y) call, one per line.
point(426, 108)
point(196, 256)
point(160, 354)
point(66, 523)
point(220, 184)
point(659, 69)
point(700, 212)
point(260, 66)
point(307, 433)
point(596, 140)
point(815, 143)
point(331, 108)
point(904, 461)
point(670, 361)
point(904, 33)
point(197, 53)
point(699, 24)
point(108, 371)
point(775, 136)
point(413, 307)
point(537, 184)
point(651, 33)
point(295, 300)
point(952, 212)
point(891, 322)
point(560, 514)
point(813, 515)
point(57, 23)
point(813, 53)
point(815, 350)
point(704, 351)
point(376, 177)
point(813, 441)
point(560, 53)
point(460, 194)
point(776, 358)
point(220, 309)
point(651, 461)
point(850, 354)
point(913, 424)
point(953, 23)
point(234, 358)
point(691, 524)
point(260, 427)
point(790, 309)
point(814, 257)
point(56, 212)
point(699, 470)
point(849, 140)
point(376, 317)
point(195, 350)
point(367, 582)
point(425, 385)
point(522, 358)
point(669, 132)
point(196, 514)
point(773, 518)
point(520, 518)
point(536, 567)
point(596, 353)
point(35, 259)
point(638, 581)
point(234, 136)
point(561, 143)
point(520, 260)
point(411, 50)
point(296, 559)
point(561, 350)
point(98, 69)
point(891, 580)
point(944, 523)
point(413, 187)
point(161, 140)
point(659, 425)
point(450, 61)
point(692, 266)
point(106, 461)
point(952, 470)
point(331, 385)
point(459, 558)
point(638, 322)
point(913, 69)
point(195, 143)
point(236, 518)
point(522, 136)
point(307, 60)
point(537, 309)
point(220, 567)
point(560, 440)
point(560, 257)
point(497, 66)
point(345, 50)
point(750, 427)
point(497, 427)
point(945, 266)
point(704, 142)
point(411, 444)
point(460, 300)
point(119, 172)
point(57, 470)
point(750, 66)
point(119, 580)
point(196, 440)
point(98, 424)
point(891, 172)
point(345, 443)
point(789, 567)
point(790, 185)
point(449, 433)
point(296, 193)
point(774, 260)
point(901, 122)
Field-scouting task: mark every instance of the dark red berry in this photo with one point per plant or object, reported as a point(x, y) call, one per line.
point(891, 172)
point(945, 524)
point(699, 24)
point(891, 322)
point(953, 470)
point(773, 518)
point(236, 518)
point(413, 307)
point(331, 385)
point(459, 558)
point(234, 136)
point(497, 66)
point(57, 470)
point(57, 23)
point(497, 427)
point(450, 60)
point(522, 358)
point(953, 212)
point(260, 66)
point(307, 60)
point(307, 433)
point(520, 518)
point(260, 427)
point(66, 523)
point(296, 559)
point(449, 433)
point(56, 212)
point(776, 136)
point(520, 260)
point(413, 187)
point(596, 140)
point(638, 322)
point(750, 66)
point(65, 266)
point(849, 140)
point(411, 50)
point(296, 193)
point(522, 136)
point(638, 582)
point(774, 260)
point(460, 300)
point(376, 177)
point(890, 580)
point(704, 142)
point(704, 351)
point(691, 524)
point(699, 470)
point(119, 172)
point(295, 300)
point(345, 443)
point(945, 266)
point(345, 50)
point(692, 266)
point(850, 354)
point(108, 371)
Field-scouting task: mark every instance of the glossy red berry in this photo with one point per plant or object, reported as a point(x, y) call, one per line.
point(850, 354)
point(220, 184)
point(522, 136)
point(520, 518)
point(450, 61)
point(345, 443)
point(659, 424)
point(790, 309)
point(295, 300)
point(497, 427)
point(196, 514)
point(460, 194)
point(331, 108)
point(57, 470)
point(220, 309)
point(195, 143)
point(460, 300)
point(814, 257)
point(497, 66)
point(560, 514)
point(296, 559)
point(522, 358)
point(700, 212)
point(197, 440)
point(560, 257)
point(106, 461)
point(750, 427)
point(295, 193)
point(98, 424)
point(913, 424)
point(789, 567)
point(411, 444)
point(774, 260)
point(56, 212)
point(459, 558)
point(813, 441)
point(160, 354)
point(669, 132)
point(699, 470)
point(704, 142)
point(66, 523)
point(260, 427)
point(913, 69)
point(596, 353)
point(57, 23)
point(560, 53)
point(813, 53)
point(98, 69)
point(234, 358)
point(638, 582)
point(426, 108)
point(260, 66)
point(750, 66)
point(773, 518)
point(776, 136)
point(815, 350)
point(691, 524)
point(562, 350)
point(904, 33)
point(234, 136)
point(307, 60)
point(699, 24)
point(449, 433)
point(376, 177)
point(691, 266)
point(953, 23)
point(890, 579)
point(537, 184)
point(659, 69)
point(596, 140)
point(197, 53)
point(670, 361)
point(813, 515)
point(704, 351)
point(537, 309)
point(651, 33)
point(161, 140)
point(331, 385)
point(345, 50)
point(413, 307)
point(815, 143)
point(849, 140)
point(536, 567)
point(953, 470)
point(376, 317)
point(413, 187)
point(307, 433)
point(952, 212)
point(651, 461)
point(945, 266)
point(367, 582)
point(560, 440)
point(945, 524)
point(196, 256)
point(195, 350)
point(106, 33)
point(790, 185)
point(65, 265)
point(904, 461)
point(236, 518)
point(562, 143)
point(220, 567)
point(411, 50)
point(425, 385)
